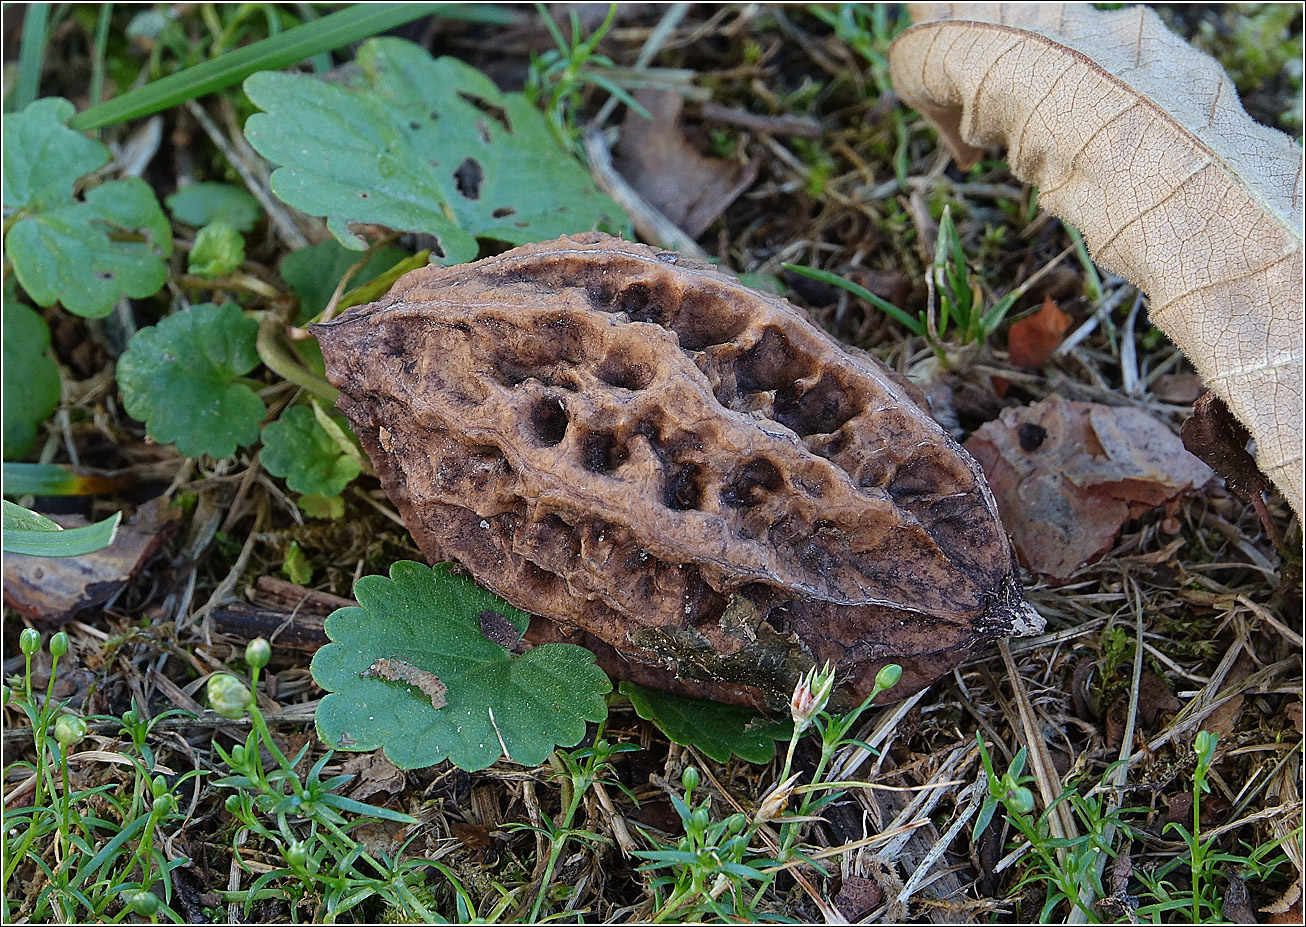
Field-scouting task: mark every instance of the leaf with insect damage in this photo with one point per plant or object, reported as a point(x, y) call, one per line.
point(410, 670)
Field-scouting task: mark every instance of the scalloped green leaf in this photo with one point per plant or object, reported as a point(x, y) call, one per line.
point(421, 145)
point(494, 701)
point(218, 251)
point(89, 253)
point(201, 203)
point(715, 730)
point(181, 378)
point(31, 379)
point(297, 448)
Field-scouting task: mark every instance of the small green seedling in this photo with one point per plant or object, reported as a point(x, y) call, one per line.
point(183, 378)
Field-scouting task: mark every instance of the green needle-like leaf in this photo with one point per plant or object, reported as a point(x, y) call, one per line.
point(715, 729)
point(290, 47)
point(180, 378)
point(423, 145)
point(429, 620)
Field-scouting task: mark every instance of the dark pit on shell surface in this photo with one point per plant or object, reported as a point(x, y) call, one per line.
point(624, 446)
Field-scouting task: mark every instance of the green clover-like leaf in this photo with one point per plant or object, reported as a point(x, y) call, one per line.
point(298, 448)
point(88, 253)
point(716, 730)
point(218, 251)
point(31, 379)
point(181, 377)
point(424, 145)
point(429, 619)
point(201, 203)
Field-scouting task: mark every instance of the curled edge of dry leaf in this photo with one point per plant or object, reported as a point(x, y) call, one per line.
point(1140, 141)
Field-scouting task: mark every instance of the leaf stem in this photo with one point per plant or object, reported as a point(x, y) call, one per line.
point(277, 359)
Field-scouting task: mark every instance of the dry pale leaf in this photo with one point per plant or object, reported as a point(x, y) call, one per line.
point(689, 188)
point(1140, 141)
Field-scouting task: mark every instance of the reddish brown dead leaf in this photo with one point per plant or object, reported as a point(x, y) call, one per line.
point(55, 589)
point(1032, 340)
point(393, 669)
point(857, 897)
point(1067, 475)
point(472, 836)
point(687, 187)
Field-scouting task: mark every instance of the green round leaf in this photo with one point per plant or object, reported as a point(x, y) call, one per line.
point(66, 254)
point(428, 619)
point(296, 447)
point(201, 203)
point(425, 145)
point(717, 730)
point(180, 378)
point(218, 250)
point(43, 157)
point(31, 379)
point(73, 251)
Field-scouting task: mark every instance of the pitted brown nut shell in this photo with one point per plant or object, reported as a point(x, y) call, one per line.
point(684, 474)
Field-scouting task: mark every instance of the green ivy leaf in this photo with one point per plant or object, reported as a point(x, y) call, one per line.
point(201, 203)
point(218, 251)
point(296, 447)
point(31, 379)
point(313, 273)
point(428, 619)
point(181, 377)
point(716, 730)
point(84, 254)
point(424, 145)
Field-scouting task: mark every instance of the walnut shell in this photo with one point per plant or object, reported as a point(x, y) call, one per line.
point(684, 474)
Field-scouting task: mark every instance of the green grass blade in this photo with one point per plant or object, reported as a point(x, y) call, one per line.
point(31, 55)
point(290, 47)
point(26, 532)
point(100, 51)
point(22, 479)
point(824, 276)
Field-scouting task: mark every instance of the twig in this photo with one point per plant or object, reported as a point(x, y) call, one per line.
point(649, 223)
point(290, 233)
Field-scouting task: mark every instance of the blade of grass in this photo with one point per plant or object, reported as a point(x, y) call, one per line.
point(824, 276)
point(31, 55)
point(22, 479)
point(290, 47)
point(99, 52)
point(26, 532)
